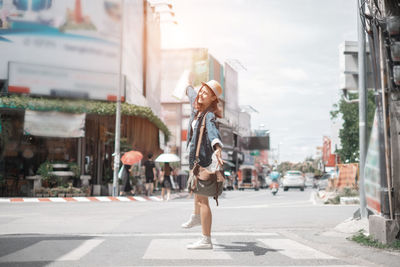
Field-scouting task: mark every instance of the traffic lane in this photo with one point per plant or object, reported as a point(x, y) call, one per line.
point(251, 195)
point(255, 210)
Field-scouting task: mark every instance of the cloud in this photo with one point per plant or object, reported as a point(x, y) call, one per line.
point(294, 74)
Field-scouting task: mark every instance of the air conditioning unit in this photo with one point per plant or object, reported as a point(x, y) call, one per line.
point(393, 25)
point(395, 51)
point(396, 75)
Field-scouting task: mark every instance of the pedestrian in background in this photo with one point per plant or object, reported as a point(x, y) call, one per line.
point(166, 183)
point(126, 183)
point(150, 172)
point(204, 104)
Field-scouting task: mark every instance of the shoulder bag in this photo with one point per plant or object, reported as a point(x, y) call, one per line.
point(201, 181)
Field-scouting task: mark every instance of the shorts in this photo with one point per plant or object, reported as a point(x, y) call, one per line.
point(149, 180)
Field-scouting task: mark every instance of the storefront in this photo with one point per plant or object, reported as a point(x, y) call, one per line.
point(89, 147)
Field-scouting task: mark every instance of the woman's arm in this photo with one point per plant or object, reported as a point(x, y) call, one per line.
point(190, 92)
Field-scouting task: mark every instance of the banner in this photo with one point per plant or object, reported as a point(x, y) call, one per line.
point(54, 124)
point(255, 143)
point(372, 171)
point(61, 34)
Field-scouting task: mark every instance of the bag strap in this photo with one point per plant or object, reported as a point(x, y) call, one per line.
point(200, 137)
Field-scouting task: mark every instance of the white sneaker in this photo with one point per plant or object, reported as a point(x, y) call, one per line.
point(203, 243)
point(193, 221)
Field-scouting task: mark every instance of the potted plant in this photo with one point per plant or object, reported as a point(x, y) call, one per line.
point(61, 192)
point(53, 192)
point(86, 190)
point(45, 170)
point(69, 192)
point(39, 192)
point(75, 192)
point(73, 167)
point(46, 192)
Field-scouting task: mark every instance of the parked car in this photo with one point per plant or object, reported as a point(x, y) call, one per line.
point(293, 179)
point(323, 182)
point(309, 182)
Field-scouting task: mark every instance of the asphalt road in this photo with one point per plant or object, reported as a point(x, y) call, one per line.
point(249, 229)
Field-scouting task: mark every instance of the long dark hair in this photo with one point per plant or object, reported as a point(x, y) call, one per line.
point(213, 107)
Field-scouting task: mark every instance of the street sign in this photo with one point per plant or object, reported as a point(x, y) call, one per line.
point(255, 152)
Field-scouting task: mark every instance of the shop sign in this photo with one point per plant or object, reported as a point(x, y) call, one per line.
point(68, 34)
point(61, 82)
point(54, 124)
point(372, 171)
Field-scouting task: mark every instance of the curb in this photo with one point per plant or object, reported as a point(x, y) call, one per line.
point(88, 199)
point(79, 199)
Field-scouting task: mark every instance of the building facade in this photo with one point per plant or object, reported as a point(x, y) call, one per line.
point(64, 70)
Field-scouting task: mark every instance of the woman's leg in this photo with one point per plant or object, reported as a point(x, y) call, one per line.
point(168, 193)
point(205, 214)
point(162, 193)
point(196, 205)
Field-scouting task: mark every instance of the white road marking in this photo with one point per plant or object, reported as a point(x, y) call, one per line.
point(155, 198)
point(175, 249)
point(252, 265)
point(188, 234)
point(82, 250)
point(57, 199)
point(31, 200)
point(294, 250)
point(124, 199)
point(103, 199)
point(139, 199)
point(51, 250)
point(5, 200)
point(82, 199)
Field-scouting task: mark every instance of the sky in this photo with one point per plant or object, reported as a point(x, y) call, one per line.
point(290, 51)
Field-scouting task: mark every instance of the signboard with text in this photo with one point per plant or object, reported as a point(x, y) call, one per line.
point(63, 35)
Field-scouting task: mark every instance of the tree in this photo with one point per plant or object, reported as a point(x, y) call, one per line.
point(349, 133)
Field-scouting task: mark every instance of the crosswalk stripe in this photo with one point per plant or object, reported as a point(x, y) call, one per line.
point(175, 249)
point(294, 250)
point(53, 250)
point(81, 251)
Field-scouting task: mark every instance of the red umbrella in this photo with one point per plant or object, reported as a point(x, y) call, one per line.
point(131, 157)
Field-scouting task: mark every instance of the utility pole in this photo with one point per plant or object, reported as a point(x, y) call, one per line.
point(118, 111)
point(362, 109)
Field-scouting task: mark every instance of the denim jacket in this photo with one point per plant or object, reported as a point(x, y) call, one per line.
point(211, 134)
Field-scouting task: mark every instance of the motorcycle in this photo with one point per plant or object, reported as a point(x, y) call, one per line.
point(274, 187)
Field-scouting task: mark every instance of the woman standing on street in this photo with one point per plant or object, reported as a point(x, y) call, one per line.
point(204, 103)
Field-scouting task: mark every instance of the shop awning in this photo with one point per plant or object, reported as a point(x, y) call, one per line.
point(81, 106)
